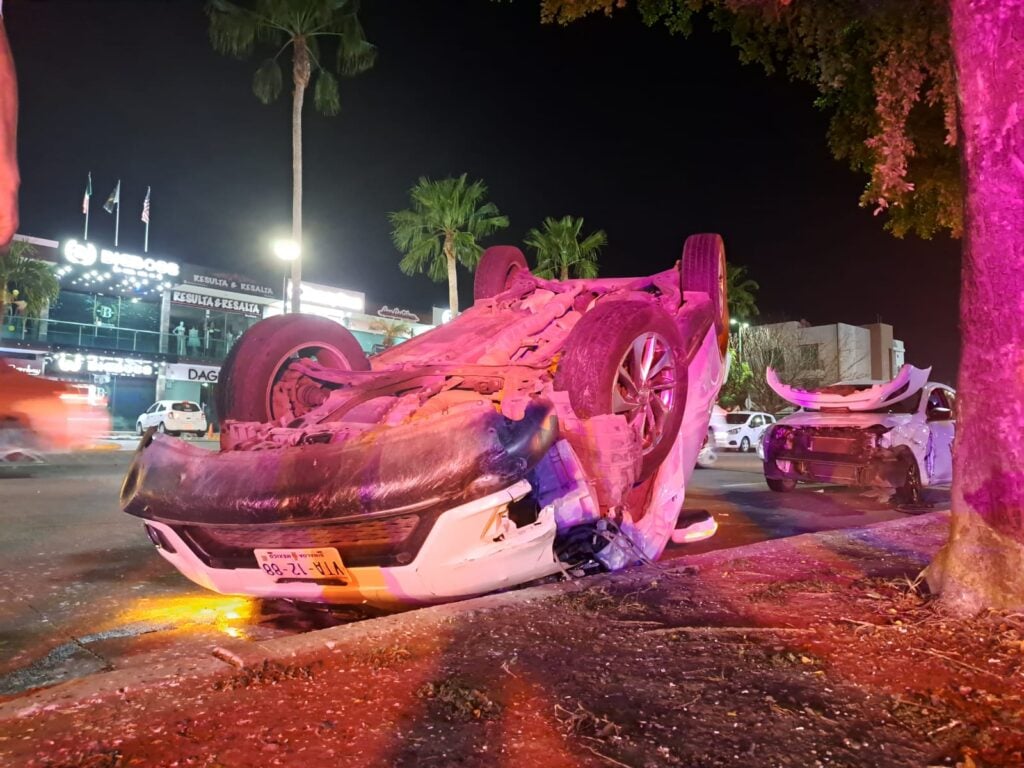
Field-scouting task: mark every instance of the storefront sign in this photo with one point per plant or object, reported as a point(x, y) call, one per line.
point(31, 367)
point(206, 374)
point(224, 281)
point(330, 298)
point(189, 299)
point(101, 364)
point(397, 313)
point(87, 255)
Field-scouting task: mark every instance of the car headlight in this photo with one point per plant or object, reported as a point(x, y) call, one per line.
point(735, 431)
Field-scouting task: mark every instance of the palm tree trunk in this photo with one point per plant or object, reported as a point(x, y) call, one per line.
point(300, 76)
point(453, 277)
point(982, 566)
point(565, 271)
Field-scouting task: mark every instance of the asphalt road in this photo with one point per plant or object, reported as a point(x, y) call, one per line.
point(83, 589)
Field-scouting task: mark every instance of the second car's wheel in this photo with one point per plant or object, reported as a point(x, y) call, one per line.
point(138, 427)
point(626, 357)
point(497, 269)
point(745, 445)
point(161, 428)
point(781, 484)
point(256, 383)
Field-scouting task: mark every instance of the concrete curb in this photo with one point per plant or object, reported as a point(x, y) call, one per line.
point(95, 689)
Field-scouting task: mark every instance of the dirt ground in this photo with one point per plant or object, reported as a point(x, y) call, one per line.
point(820, 650)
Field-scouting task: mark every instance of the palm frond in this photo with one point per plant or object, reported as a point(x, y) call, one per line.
point(233, 29)
point(34, 280)
point(268, 81)
point(325, 94)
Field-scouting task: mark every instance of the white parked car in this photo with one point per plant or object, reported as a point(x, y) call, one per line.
point(740, 429)
point(895, 434)
point(175, 417)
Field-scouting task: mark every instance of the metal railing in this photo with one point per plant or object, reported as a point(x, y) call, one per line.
point(107, 338)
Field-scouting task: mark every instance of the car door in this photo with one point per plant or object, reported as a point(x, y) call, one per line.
point(754, 426)
point(146, 419)
point(941, 419)
point(159, 415)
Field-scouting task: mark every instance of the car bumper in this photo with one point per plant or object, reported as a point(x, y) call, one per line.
point(471, 549)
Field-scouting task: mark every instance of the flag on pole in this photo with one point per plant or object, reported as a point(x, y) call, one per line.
point(145, 206)
point(88, 194)
point(113, 199)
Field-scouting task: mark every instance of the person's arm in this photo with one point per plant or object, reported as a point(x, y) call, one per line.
point(9, 177)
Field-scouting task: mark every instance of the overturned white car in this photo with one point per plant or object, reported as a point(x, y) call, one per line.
point(896, 434)
point(553, 424)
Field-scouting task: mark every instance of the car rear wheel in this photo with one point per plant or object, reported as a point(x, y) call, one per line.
point(138, 428)
point(626, 357)
point(256, 383)
point(161, 428)
point(781, 484)
point(703, 270)
point(496, 271)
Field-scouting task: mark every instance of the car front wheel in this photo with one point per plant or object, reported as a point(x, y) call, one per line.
point(138, 427)
point(745, 445)
point(627, 358)
point(781, 484)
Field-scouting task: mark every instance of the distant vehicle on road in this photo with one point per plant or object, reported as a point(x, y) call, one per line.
point(38, 415)
point(896, 434)
point(740, 429)
point(175, 417)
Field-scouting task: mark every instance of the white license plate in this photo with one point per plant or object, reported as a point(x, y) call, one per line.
point(320, 563)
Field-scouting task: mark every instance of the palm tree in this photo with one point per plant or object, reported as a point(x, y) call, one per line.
point(391, 330)
point(299, 25)
point(25, 279)
point(559, 249)
point(741, 290)
point(442, 227)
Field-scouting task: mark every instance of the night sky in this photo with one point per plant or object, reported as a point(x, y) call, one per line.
point(648, 136)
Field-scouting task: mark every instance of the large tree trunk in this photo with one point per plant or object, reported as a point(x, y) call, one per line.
point(565, 270)
point(453, 276)
point(300, 76)
point(982, 565)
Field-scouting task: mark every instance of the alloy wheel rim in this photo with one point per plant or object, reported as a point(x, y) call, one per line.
point(644, 388)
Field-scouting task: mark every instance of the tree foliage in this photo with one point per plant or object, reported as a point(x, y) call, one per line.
point(302, 26)
point(742, 292)
point(23, 278)
point(391, 330)
point(443, 226)
point(560, 251)
point(883, 71)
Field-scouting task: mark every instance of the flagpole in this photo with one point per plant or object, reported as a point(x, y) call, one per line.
point(85, 235)
point(117, 217)
point(145, 246)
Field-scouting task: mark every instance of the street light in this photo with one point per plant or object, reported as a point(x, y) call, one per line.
point(739, 343)
point(290, 251)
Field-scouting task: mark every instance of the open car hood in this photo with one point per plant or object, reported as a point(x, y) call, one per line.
point(853, 397)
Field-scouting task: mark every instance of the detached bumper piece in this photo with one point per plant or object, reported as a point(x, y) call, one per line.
point(375, 499)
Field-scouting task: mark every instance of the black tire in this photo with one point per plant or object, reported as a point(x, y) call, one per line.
point(496, 271)
point(138, 428)
point(745, 445)
point(589, 370)
point(263, 353)
point(781, 484)
point(703, 269)
point(161, 428)
point(200, 434)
